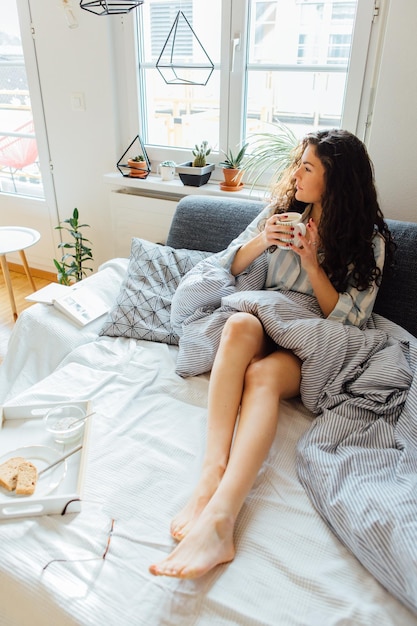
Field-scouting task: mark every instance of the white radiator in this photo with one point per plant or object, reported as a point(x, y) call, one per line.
point(133, 215)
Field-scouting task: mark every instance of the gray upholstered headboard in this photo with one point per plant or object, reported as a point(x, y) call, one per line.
point(210, 223)
point(397, 296)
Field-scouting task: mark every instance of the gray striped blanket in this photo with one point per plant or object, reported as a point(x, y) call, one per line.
point(358, 461)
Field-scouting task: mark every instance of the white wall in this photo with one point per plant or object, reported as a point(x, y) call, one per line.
point(82, 143)
point(86, 144)
point(393, 132)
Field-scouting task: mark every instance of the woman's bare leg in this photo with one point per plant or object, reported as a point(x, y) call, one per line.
point(243, 339)
point(274, 378)
point(210, 540)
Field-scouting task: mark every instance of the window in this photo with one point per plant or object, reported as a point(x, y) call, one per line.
point(162, 15)
point(339, 48)
point(343, 11)
point(276, 60)
point(263, 38)
point(179, 115)
point(19, 164)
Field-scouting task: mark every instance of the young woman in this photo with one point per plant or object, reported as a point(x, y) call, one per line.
point(340, 261)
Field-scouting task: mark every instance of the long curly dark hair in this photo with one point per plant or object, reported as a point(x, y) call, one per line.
point(350, 211)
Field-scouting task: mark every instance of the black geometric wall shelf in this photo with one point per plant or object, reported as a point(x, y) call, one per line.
point(110, 7)
point(177, 70)
point(129, 163)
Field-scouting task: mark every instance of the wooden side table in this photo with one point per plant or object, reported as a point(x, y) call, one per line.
point(16, 239)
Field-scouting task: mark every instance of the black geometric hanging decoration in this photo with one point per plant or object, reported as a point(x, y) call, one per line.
point(176, 68)
point(110, 7)
point(134, 161)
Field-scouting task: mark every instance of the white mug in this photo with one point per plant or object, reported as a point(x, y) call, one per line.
point(294, 220)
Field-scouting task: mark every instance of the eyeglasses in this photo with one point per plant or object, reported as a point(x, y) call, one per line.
point(93, 558)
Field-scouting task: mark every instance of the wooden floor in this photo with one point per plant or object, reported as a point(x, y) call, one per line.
point(21, 288)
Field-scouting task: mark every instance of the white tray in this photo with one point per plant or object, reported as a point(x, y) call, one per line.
point(23, 427)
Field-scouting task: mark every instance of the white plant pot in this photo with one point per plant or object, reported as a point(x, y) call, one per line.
point(194, 176)
point(167, 172)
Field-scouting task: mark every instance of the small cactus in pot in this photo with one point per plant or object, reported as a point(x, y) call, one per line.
point(198, 171)
point(200, 153)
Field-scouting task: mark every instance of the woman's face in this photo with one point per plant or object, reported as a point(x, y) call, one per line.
point(309, 178)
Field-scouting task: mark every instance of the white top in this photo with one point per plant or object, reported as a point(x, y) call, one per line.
point(285, 272)
point(14, 238)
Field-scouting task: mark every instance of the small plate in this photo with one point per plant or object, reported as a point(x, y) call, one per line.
point(40, 456)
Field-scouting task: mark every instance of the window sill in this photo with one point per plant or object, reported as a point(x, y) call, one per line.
point(174, 189)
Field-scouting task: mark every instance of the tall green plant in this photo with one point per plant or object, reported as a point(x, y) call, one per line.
point(71, 267)
point(269, 153)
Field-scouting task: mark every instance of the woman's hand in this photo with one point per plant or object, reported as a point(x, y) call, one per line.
point(276, 232)
point(269, 236)
point(326, 294)
point(308, 247)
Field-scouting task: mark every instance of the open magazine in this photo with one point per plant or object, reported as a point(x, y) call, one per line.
point(79, 302)
point(81, 305)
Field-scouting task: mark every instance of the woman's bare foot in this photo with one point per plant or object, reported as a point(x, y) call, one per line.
point(209, 543)
point(186, 518)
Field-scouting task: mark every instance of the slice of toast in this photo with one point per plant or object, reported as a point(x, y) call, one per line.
point(27, 477)
point(8, 472)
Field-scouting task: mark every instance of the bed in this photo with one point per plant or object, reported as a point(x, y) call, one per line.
point(294, 566)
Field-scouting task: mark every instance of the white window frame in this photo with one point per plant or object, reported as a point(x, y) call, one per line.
point(28, 43)
point(359, 86)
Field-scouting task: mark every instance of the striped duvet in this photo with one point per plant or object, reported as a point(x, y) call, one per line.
point(358, 461)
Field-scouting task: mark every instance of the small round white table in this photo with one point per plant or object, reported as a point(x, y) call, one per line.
point(16, 239)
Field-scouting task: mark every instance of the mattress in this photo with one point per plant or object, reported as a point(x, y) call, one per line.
point(145, 448)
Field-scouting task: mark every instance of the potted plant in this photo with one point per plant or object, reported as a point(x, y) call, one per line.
point(196, 172)
point(71, 267)
point(167, 170)
point(232, 169)
point(138, 166)
point(269, 153)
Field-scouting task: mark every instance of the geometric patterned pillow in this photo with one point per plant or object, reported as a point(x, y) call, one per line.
point(143, 306)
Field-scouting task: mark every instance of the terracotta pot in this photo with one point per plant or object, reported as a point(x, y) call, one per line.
point(232, 177)
point(138, 169)
point(138, 165)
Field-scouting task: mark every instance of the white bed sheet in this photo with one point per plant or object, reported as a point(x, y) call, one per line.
point(145, 449)
point(43, 336)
